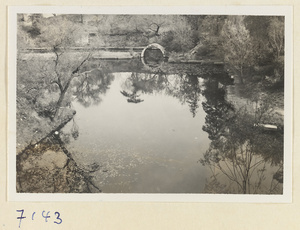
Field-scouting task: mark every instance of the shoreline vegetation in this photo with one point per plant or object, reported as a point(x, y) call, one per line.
point(53, 68)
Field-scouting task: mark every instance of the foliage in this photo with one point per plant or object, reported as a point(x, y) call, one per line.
point(57, 32)
point(276, 35)
point(180, 36)
point(237, 45)
point(258, 27)
point(212, 25)
point(89, 85)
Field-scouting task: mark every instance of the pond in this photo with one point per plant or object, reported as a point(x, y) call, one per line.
point(151, 146)
point(149, 132)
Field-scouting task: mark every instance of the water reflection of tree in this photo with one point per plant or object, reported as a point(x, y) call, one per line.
point(186, 88)
point(239, 150)
point(146, 83)
point(89, 86)
point(132, 97)
point(218, 110)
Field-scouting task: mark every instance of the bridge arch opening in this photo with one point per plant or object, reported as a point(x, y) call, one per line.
point(153, 55)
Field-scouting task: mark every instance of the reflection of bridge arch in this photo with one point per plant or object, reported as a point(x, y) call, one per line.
point(155, 46)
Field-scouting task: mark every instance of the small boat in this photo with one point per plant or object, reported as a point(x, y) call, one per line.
point(267, 127)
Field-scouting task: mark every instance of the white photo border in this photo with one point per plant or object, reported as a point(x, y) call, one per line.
point(286, 11)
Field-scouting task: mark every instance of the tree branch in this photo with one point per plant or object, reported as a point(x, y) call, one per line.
point(78, 68)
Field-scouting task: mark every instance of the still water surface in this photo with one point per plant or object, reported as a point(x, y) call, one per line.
point(147, 132)
point(152, 146)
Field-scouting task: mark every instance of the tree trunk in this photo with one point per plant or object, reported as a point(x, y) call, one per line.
point(64, 89)
point(60, 100)
point(242, 75)
point(61, 97)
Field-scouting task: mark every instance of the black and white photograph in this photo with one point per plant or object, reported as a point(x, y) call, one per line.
point(131, 103)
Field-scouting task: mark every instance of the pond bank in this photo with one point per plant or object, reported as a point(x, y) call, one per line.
point(253, 95)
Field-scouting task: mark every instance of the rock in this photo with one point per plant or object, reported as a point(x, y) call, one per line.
point(53, 159)
point(48, 160)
